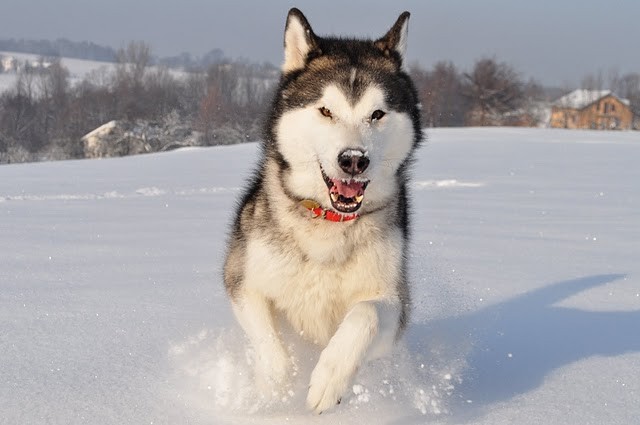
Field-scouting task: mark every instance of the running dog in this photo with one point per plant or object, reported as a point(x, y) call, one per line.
point(321, 234)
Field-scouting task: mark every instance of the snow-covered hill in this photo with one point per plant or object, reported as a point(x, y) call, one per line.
point(525, 269)
point(78, 68)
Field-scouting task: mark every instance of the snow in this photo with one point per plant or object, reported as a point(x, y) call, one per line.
point(581, 98)
point(79, 69)
point(101, 131)
point(7, 81)
point(525, 279)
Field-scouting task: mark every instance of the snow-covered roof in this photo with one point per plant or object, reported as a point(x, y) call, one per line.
point(103, 130)
point(581, 98)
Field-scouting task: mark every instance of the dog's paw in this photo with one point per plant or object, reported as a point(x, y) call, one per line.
point(272, 370)
point(326, 387)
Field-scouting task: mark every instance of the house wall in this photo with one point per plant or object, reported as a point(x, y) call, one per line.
point(563, 118)
point(608, 113)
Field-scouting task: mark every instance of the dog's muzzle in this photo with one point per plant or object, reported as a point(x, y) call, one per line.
point(347, 194)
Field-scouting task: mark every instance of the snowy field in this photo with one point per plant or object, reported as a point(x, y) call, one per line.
point(79, 69)
point(525, 270)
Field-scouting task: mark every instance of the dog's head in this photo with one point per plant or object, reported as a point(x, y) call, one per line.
point(346, 117)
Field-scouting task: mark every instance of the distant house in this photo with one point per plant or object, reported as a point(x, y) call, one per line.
point(592, 109)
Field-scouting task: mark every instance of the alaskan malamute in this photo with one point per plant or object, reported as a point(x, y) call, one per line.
point(320, 237)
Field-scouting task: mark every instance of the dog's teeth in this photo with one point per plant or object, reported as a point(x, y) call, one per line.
point(334, 196)
point(359, 198)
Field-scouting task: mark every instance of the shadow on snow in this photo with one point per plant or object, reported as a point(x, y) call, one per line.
point(517, 343)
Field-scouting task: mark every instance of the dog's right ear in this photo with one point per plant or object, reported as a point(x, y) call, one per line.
point(299, 41)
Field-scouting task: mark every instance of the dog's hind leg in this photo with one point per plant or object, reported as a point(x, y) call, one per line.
point(255, 314)
point(367, 330)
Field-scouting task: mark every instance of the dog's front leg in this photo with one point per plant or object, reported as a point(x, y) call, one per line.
point(255, 314)
point(369, 327)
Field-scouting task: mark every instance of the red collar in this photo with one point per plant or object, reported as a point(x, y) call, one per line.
point(318, 211)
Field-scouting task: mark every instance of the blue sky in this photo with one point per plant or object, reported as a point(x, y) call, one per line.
point(556, 42)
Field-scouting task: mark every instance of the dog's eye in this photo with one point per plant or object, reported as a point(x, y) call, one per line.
point(377, 114)
point(325, 112)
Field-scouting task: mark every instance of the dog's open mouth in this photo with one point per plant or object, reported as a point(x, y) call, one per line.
point(346, 195)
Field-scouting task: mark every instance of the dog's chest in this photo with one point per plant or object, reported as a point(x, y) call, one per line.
point(314, 288)
point(315, 301)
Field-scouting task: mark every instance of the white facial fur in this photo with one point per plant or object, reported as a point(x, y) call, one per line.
point(307, 139)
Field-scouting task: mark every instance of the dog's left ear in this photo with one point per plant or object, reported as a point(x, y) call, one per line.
point(299, 41)
point(396, 39)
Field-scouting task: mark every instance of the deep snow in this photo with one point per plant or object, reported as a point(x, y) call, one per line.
point(525, 281)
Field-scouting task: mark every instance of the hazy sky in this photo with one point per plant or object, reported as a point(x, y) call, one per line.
point(556, 42)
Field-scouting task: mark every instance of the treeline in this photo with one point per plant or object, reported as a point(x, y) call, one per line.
point(44, 117)
point(492, 93)
point(60, 48)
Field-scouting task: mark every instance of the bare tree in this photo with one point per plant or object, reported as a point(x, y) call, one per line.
point(43, 115)
point(161, 93)
point(132, 62)
point(129, 84)
point(19, 118)
point(193, 88)
point(493, 89)
point(440, 92)
point(629, 88)
point(211, 112)
point(593, 81)
point(25, 83)
point(53, 97)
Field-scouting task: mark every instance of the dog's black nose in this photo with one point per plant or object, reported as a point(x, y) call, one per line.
point(353, 161)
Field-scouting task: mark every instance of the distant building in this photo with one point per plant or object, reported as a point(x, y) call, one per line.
point(592, 109)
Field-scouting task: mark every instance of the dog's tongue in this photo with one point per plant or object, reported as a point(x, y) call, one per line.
point(349, 189)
